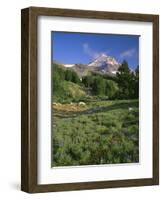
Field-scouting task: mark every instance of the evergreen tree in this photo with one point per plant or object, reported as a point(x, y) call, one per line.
point(75, 77)
point(124, 80)
point(128, 82)
point(87, 81)
point(111, 89)
point(99, 86)
point(137, 82)
point(68, 75)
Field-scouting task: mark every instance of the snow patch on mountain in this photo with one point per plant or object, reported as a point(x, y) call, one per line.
point(68, 65)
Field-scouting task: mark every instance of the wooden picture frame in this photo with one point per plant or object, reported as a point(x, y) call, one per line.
point(29, 97)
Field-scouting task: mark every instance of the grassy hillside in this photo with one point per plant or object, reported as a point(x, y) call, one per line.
point(68, 92)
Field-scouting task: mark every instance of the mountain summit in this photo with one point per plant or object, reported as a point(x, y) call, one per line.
point(105, 64)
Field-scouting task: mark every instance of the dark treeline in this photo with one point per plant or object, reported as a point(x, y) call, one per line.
point(100, 86)
point(61, 74)
point(124, 85)
point(128, 82)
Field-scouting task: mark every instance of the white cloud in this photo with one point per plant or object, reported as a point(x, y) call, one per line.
point(128, 53)
point(90, 52)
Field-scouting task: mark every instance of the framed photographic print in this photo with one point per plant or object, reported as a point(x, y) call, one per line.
point(90, 100)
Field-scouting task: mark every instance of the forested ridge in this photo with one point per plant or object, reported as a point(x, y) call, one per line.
point(124, 85)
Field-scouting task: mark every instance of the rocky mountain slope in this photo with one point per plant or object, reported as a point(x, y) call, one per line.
point(104, 64)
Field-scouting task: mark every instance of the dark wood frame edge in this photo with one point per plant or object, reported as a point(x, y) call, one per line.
point(29, 99)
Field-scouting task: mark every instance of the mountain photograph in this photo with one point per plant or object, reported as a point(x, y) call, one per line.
point(95, 99)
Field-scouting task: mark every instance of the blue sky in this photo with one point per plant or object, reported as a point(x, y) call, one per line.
point(73, 48)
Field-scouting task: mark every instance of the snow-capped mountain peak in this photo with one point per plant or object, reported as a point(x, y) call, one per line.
point(105, 64)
